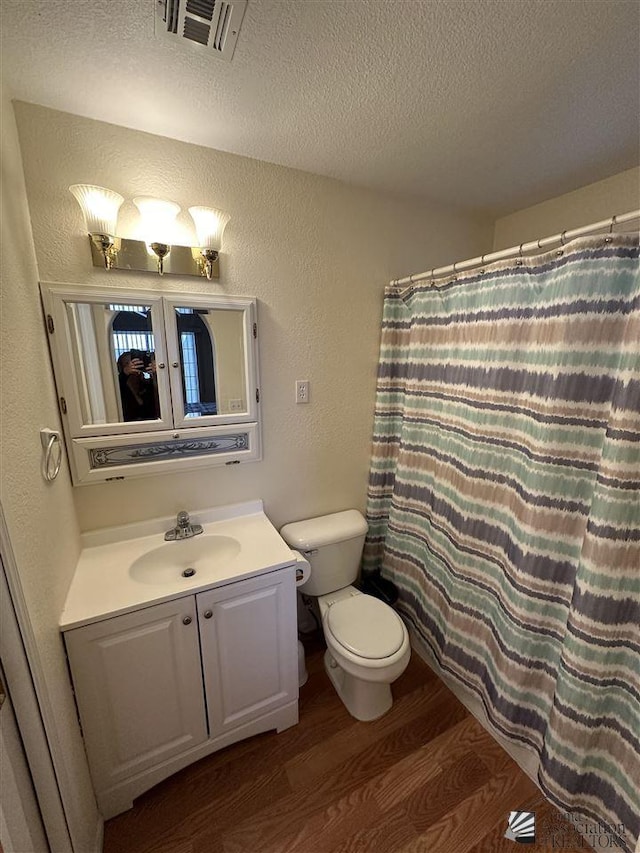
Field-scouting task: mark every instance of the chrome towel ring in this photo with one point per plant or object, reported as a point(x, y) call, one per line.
point(51, 453)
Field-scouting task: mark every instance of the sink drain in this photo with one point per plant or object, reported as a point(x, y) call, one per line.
point(188, 573)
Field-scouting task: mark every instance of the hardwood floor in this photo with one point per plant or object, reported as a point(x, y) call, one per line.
point(426, 777)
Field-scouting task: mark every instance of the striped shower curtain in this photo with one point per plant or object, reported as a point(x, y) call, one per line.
point(504, 502)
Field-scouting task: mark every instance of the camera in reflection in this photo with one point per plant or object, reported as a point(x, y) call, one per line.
point(145, 357)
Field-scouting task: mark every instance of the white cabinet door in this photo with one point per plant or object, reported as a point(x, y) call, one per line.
point(91, 329)
point(213, 359)
point(248, 636)
point(138, 684)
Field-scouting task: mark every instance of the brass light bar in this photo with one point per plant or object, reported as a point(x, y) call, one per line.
point(134, 255)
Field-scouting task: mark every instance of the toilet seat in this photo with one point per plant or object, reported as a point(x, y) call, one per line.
point(366, 627)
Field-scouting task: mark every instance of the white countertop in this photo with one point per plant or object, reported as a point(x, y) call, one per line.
point(102, 586)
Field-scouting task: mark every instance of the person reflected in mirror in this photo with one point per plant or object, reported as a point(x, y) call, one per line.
point(138, 385)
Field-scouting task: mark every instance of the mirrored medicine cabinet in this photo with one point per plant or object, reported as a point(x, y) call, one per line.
point(152, 382)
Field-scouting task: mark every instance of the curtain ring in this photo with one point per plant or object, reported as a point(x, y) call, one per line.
point(560, 252)
point(519, 261)
point(609, 237)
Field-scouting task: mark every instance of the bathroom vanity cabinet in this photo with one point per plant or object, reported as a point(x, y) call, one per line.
point(167, 684)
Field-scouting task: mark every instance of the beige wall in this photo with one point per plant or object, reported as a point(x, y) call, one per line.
point(315, 252)
point(619, 194)
point(40, 516)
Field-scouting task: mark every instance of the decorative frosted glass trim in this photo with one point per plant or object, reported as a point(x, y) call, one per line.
point(106, 457)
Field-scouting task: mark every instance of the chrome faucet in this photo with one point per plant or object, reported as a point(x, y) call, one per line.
point(183, 529)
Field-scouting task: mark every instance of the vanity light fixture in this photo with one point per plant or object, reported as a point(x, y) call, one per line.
point(210, 224)
point(100, 207)
point(158, 217)
point(155, 250)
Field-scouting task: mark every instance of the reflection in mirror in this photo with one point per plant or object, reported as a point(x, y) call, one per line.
point(134, 352)
point(212, 354)
point(114, 362)
point(196, 357)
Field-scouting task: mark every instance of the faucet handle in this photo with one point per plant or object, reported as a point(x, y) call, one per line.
point(183, 519)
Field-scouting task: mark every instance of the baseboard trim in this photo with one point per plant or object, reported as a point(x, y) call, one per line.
point(99, 838)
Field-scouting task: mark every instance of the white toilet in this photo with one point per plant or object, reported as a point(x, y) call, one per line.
point(367, 642)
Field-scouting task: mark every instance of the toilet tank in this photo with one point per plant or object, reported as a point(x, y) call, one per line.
point(333, 545)
point(335, 542)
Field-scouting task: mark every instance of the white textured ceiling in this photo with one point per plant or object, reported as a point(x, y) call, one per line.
point(491, 105)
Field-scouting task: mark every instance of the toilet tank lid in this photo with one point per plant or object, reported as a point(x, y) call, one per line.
point(324, 530)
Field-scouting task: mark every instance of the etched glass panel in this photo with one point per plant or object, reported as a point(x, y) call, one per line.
point(106, 457)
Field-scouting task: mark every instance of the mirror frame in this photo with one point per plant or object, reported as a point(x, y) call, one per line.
point(230, 303)
point(101, 452)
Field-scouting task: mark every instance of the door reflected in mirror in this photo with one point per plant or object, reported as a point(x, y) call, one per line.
point(134, 347)
point(213, 361)
point(113, 348)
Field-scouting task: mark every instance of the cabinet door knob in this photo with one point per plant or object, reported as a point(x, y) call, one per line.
point(186, 620)
point(161, 365)
point(175, 363)
point(208, 614)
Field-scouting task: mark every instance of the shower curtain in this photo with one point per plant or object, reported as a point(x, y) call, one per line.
point(504, 502)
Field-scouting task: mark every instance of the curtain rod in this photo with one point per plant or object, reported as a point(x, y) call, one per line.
point(518, 251)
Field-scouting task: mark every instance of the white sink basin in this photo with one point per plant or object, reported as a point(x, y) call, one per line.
point(206, 554)
point(123, 568)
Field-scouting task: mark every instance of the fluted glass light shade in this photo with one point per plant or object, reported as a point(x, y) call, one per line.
point(210, 224)
point(100, 207)
point(158, 218)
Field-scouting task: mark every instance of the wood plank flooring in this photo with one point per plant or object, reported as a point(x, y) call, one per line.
point(425, 778)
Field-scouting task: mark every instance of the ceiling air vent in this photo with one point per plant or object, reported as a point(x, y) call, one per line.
point(214, 24)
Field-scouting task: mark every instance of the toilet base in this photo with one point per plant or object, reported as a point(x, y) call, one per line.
point(364, 700)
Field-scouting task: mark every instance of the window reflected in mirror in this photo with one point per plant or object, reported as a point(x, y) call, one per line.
point(197, 360)
point(134, 351)
point(212, 358)
point(114, 362)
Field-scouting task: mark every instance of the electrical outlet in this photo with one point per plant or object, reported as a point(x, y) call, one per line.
point(302, 390)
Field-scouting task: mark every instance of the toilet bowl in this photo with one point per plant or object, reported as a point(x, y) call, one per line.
point(367, 649)
point(367, 642)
